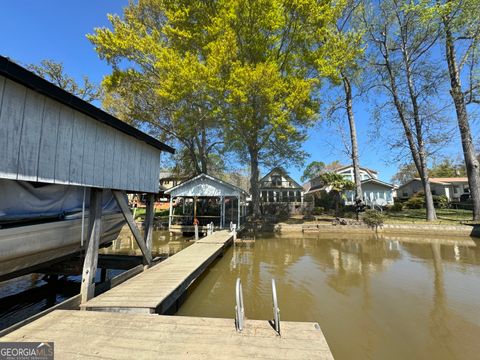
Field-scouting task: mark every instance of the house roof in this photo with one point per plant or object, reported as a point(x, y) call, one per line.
point(284, 173)
point(449, 179)
point(439, 181)
point(204, 178)
point(19, 74)
point(379, 182)
point(343, 167)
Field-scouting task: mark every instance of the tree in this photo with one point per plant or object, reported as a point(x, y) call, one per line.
point(312, 170)
point(460, 25)
point(162, 79)
point(336, 184)
point(405, 173)
point(349, 36)
point(402, 49)
point(268, 88)
point(55, 72)
point(447, 168)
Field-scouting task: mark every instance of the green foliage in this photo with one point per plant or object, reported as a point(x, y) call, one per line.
point(318, 210)
point(162, 78)
point(373, 218)
point(55, 73)
point(415, 202)
point(440, 201)
point(312, 170)
point(336, 182)
point(235, 72)
point(396, 207)
point(447, 168)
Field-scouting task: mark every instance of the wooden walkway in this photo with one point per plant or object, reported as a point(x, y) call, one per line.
point(102, 335)
point(156, 289)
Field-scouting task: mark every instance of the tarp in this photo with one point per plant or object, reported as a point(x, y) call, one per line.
point(26, 200)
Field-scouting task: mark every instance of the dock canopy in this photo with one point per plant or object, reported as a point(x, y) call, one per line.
point(206, 199)
point(51, 136)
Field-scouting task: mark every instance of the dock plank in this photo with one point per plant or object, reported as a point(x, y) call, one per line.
point(106, 335)
point(157, 288)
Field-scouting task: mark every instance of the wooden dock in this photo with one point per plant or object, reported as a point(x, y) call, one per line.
point(156, 289)
point(103, 335)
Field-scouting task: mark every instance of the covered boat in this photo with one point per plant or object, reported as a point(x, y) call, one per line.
point(58, 153)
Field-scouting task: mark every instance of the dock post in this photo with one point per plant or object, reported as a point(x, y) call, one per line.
point(87, 288)
point(196, 231)
point(170, 212)
point(238, 212)
point(149, 218)
point(123, 205)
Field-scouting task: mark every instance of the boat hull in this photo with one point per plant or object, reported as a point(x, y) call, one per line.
point(26, 247)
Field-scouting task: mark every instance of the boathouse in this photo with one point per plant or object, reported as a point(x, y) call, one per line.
point(206, 199)
point(62, 160)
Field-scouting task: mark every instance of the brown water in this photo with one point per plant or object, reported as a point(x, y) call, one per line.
point(374, 298)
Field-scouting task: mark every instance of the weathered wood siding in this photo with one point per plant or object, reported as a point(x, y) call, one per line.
point(46, 141)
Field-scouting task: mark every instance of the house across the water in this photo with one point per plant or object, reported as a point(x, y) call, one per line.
point(375, 191)
point(277, 187)
point(455, 189)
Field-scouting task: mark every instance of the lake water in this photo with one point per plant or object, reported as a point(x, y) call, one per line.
point(374, 297)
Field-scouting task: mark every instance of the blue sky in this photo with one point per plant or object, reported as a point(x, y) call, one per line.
point(32, 30)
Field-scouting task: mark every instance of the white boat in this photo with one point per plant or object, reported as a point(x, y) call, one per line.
point(43, 224)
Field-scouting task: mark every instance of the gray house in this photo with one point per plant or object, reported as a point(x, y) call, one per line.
point(452, 188)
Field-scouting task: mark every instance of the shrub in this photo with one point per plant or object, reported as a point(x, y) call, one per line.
point(373, 218)
point(415, 202)
point(319, 210)
point(440, 201)
point(396, 207)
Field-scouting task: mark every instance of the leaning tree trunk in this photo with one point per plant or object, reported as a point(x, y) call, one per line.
point(254, 190)
point(471, 162)
point(418, 153)
point(353, 137)
point(422, 156)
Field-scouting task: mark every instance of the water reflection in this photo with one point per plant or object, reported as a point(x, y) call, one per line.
point(374, 297)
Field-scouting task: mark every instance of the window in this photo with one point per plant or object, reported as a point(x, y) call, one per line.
point(405, 193)
point(270, 196)
point(456, 189)
point(434, 192)
point(276, 180)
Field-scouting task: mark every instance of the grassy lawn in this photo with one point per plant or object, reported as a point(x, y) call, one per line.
point(445, 216)
point(406, 216)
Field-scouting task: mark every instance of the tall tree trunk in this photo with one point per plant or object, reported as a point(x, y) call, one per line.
point(471, 162)
point(353, 137)
point(417, 150)
point(422, 155)
point(254, 175)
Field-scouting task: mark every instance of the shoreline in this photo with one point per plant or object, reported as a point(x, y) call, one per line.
point(417, 229)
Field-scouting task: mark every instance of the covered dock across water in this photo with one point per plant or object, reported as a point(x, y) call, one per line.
point(206, 199)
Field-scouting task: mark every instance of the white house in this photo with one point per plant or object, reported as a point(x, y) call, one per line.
point(452, 188)
point(375, 192)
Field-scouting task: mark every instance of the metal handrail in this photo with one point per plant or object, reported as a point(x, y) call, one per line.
point(239, 309)
point(276, 310)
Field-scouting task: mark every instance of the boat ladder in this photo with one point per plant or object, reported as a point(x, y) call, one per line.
point(240, 310)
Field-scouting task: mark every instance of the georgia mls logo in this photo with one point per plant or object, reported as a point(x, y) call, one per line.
point(26, 351)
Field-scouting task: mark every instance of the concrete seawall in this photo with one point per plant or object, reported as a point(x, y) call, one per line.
point(438, 230)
